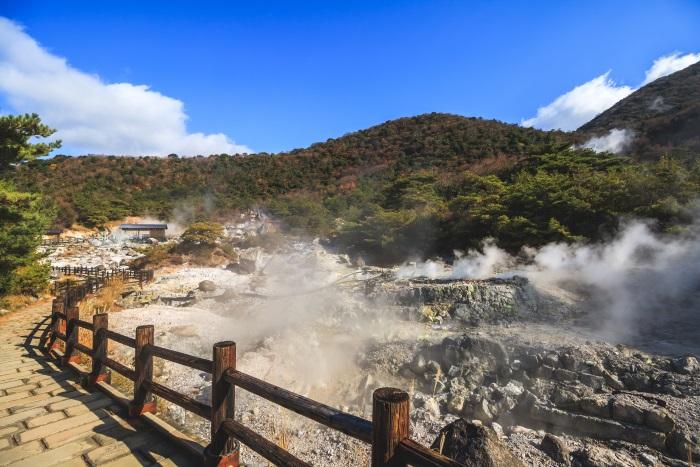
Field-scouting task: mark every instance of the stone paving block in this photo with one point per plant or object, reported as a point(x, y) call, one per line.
point(83, 399)
point(101, 403)
point(44, 419)
point(17, 453)
point(16, 376)
point(39, 400)
point(130, 460)
point(52, 456)
point(164, 453)
point(75, 462)
point(49, 375)
point(116, 434)
point(13, 384)
point(16, 389)
point(56, 388)
point(59, 428)
point(13, 397)
point(82, 431)
point(115, 450)
point(5, 443)
point(12, 419)
point(8, 430)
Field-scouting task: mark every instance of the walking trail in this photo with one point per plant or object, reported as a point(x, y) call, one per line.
point(47, 418)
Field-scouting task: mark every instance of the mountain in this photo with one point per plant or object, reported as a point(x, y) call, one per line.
point(93, 189)
point(664, 117)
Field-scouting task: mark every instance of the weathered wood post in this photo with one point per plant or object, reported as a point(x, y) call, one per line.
point(223, 450)
point(99, 373)
point(390, 425)
point(52, 342)
point(143, 398)
point(71, 355)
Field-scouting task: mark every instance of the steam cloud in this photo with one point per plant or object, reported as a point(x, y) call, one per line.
point(615, 141)
point(640, 286)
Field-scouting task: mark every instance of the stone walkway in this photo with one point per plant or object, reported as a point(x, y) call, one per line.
point(47, 418)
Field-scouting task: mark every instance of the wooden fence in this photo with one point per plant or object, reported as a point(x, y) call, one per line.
point(93, 279)
point(388, 432)
point(64, 241)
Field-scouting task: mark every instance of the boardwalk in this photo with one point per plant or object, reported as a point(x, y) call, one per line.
point(47, 418)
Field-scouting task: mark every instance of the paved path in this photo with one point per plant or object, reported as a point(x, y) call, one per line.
point(47, 418)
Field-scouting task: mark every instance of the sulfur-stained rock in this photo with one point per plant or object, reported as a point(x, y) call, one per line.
point(475, 446)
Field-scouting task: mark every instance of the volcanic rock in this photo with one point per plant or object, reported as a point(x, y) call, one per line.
point(686, 365)
point(473, 445)
point(207, 286)
point(596, 456)
point(555, 448)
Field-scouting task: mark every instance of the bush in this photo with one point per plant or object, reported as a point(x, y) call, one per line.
point(203, 234)
point(32, 279)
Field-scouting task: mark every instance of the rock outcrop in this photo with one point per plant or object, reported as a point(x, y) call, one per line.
point(474, 445)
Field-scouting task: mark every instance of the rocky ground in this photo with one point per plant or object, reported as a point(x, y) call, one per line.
point(509, 356)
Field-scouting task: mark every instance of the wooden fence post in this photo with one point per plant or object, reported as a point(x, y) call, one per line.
point(390, 425)
point(143, 398)
point(223, 450)
point(99, 373)
point(52, 343)
point(71, 355)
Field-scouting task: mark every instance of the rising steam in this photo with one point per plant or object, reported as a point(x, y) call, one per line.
point(640, 286)
point(616, 141)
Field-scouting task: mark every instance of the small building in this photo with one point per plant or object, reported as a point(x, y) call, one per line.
point(156, 231)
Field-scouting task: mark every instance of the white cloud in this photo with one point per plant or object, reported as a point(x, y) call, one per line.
point(615, 141)
point(578, 106)
point(669, 64)
point(93, 116)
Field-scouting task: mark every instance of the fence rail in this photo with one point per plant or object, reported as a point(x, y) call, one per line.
point(388, 432)
point(64, 241)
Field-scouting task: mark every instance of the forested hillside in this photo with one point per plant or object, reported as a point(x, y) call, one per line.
point(413, 187)
point(92, 190)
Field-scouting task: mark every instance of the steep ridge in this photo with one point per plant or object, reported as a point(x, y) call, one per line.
point(664, 116)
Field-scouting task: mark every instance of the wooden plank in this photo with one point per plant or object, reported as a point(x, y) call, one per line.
point(121, 338)
point(181, 400)
point(121, 369)
point(198, 363)
point(349, 424)
point(412, 453)
point(257, 443)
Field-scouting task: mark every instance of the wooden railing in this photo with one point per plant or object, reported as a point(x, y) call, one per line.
point(93, 280)
point(388, 432)
point(64, 241)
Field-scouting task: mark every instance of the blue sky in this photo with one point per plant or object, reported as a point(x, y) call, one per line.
point(279, 75)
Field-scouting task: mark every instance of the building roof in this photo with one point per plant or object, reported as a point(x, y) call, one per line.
point(143, 226)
